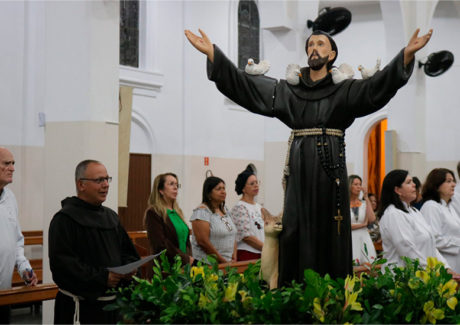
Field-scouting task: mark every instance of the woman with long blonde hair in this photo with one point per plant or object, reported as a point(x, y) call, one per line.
point(164, 220)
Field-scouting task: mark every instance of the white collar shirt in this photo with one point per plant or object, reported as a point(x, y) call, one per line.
point(11, 240)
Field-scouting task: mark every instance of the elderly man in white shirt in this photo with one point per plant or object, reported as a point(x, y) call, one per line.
point(455, 203)
point(11, 238)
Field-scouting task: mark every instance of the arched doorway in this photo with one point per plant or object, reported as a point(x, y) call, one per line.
point(376, 157)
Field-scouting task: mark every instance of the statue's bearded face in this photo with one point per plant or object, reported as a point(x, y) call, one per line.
point(316, 62)
point(319, 52)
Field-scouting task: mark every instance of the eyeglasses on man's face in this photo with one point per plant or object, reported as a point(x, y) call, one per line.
point(99, 180)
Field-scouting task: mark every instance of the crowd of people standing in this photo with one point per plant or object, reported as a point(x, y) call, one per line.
point(409, 219)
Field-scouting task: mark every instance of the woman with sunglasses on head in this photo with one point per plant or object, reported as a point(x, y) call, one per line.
point(164, 220)
point(247, 216)
point(403, 228)
point(437, 194)
point(213, 230)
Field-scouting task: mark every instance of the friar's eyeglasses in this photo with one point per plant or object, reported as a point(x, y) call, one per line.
point(99, 180)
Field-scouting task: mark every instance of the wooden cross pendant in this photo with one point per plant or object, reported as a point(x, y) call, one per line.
point(338, 218)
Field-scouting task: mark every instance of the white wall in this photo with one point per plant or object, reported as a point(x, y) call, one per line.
point(443, 96)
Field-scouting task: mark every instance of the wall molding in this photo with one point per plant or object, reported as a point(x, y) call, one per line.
point(144, 124)
point(144, 83)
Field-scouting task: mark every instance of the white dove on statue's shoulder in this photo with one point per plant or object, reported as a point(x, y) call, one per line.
point(367, 73)
point(293, 74)
point(260, 68)
point(343, 72)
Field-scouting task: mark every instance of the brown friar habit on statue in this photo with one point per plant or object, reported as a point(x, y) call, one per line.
point(316, 218)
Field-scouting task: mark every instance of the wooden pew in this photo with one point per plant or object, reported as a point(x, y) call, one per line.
point(135, 235)
point(20, 295)
point(33, 237)
point(378, 246)
point(240, 266)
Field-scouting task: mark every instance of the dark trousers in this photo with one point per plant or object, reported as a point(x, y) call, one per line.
point(5, 314)
point(243, 255)
point(91, 312)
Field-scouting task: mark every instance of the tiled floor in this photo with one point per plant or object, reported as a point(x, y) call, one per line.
point(27, 315)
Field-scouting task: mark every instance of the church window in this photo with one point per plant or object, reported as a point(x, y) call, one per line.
point(248, 32)
point(129, 33)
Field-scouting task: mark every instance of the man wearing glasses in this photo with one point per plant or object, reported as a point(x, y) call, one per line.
point(85, 238)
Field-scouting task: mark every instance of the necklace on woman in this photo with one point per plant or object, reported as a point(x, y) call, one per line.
point(355, 211)
point(227, 224)
point(355, 204)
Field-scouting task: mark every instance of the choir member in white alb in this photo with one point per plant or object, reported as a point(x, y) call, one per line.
point(403, 229)
point(438, 212)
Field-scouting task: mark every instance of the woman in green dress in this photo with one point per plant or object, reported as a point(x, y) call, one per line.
point(164, 220)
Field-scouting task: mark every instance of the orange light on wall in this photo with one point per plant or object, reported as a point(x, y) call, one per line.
point(383, 128)
point(206, 161)
point(376, 157)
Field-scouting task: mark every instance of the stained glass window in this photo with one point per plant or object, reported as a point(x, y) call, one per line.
point(129, 33)
point(248, 32)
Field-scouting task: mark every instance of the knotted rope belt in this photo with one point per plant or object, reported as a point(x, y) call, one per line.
point(306, 132)
point(76, 299)
point(319, 133)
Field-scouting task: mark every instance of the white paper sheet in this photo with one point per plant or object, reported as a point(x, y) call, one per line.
point(128, 268)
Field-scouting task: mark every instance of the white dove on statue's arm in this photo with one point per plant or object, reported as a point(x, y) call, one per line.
point(367, 73)
point(293, 74)
point(257, 68)
point(343, 72)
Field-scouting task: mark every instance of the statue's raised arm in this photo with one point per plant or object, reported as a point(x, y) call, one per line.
point(202, 44)
point(415, 44)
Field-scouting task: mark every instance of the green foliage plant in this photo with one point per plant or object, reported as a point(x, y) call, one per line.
point(204, 294)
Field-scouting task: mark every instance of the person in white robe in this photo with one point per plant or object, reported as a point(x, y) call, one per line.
point(456, 198)
point(439, 214)
point(403, 228)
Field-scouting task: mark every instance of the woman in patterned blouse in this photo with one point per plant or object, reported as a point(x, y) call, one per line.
point(213, 230)
point(247, 217)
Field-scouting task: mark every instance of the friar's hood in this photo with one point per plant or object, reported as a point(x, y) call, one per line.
point(89, 215)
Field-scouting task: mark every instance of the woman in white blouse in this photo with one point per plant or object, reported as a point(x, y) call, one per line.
point(403, 228)
point(437, 193)
point(247, 216)
point(361, 215)
point(213, 230)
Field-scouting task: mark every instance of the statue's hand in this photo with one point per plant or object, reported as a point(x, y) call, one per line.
point(415, 44)
point(202, 44)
